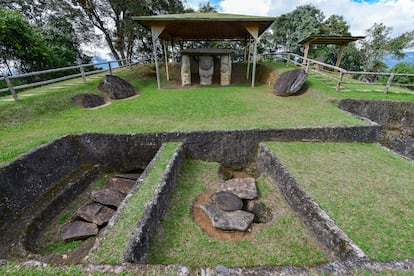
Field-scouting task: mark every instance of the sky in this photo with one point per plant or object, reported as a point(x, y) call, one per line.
point(359, 14)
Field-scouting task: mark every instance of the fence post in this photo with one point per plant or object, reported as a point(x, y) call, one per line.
point(82, 70)
point(338, 85)
point(288, 59)
point(110, 68)
point(11, 88)
point(389, 81)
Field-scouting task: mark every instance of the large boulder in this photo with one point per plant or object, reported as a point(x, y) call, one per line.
point(228, 220)
point(116, 88)
point(290, 82)
point(88, 100)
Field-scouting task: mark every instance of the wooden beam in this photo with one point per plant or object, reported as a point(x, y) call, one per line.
point(253, 29)
point(166, 60)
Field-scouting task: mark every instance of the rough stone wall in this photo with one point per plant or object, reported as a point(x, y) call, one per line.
point(332, 239)
point(29, 176)
point(138, 245)
point(390, 114)
point(401, 145)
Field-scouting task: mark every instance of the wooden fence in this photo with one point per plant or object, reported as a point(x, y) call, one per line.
point(339, 75)
point(82, 73)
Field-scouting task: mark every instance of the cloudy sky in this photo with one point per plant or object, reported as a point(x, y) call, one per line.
point(359, 14)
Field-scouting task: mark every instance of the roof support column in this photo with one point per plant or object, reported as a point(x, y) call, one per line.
point(166, 60)
point(253, 29)
point(340, 54)
point(156, 31)
point(305, 52)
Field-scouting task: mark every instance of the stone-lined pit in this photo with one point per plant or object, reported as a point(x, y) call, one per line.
point(28, 178)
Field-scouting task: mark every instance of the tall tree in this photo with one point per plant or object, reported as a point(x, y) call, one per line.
point(378, 44)
point(290, 28)
point(113, 19)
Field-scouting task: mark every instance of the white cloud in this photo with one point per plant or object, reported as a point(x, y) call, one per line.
point(398, 14)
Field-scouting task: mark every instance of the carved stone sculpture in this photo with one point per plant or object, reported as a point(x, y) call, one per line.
point(225, 70)
point(206, 70)
point(185, 71)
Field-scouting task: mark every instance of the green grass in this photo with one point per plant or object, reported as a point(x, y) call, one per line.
point(32, 121)
point(180, 240)
point(62, 246)
point(17, 269)
point(113, 245)
point(367, 190)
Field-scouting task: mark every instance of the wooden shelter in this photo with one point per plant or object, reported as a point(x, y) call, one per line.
point(203, 27)
point(341, 41)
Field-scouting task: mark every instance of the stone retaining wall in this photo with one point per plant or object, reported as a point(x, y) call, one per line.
point(29, 176)
point(402, 145)
point(392, 114)
point(138, 244)
point(332, 239)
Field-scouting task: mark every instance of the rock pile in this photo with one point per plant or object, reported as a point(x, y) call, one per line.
point(235, 207)
point(93, 216)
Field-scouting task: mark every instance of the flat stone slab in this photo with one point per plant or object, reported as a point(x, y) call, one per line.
point(245, 188)
point(108, 197)
point(228, 220)
point(132, 176)
point(80, 230)
point(122, 185)
point(95, 213)
point(227, 201)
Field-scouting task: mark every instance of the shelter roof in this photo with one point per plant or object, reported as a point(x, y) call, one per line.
point(205, 26)
point(330, 39)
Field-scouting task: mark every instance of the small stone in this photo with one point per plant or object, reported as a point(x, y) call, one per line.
point(108, 197)
point(227, 201)
point(95, 213)
point(262, 214)
point(122, 185)
point(228, 220)
point(222, 270)
point(245, 188)
point(80, 230)
point(88, 100)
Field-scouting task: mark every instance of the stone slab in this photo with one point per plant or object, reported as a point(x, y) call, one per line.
point(121, 185)
point(227, 201)
point(108, 197)
point(245, 188)
point(95, 213)
point(79, 230)
point(228, 220)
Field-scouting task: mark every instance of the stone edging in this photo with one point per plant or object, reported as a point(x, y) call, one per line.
point(137, 247)
point(334, 241)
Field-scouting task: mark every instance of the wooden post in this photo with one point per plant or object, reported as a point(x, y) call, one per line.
point(254, 63)
point(340, 54)
point(82, 70)
point(172, 51)
point(338, 85)
point(305, 52)
point(166, 61)
point(248, 61)
point(288, 60)
point(156, 31)
point(389, 81)
point(307, 66)
point(110, 68)
point(11, 88)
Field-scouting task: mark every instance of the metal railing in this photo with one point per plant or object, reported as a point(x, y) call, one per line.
point(82, 73)
point(338, 74)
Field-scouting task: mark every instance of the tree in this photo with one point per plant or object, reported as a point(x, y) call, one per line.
point(335, 25)
point(403, 68)
point(378, 44)
point(290, 28)
point(113, 19)
point(207, 7)
point(21, 43)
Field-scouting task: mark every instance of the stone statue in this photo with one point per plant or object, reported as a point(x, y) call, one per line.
point(225, 70)
point(185, 71)
point(206, 70)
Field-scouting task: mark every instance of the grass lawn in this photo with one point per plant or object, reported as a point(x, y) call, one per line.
point(368, 191)
point(180, 240)
point(32, 121)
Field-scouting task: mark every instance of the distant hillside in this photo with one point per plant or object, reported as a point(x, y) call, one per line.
point(390, 61)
